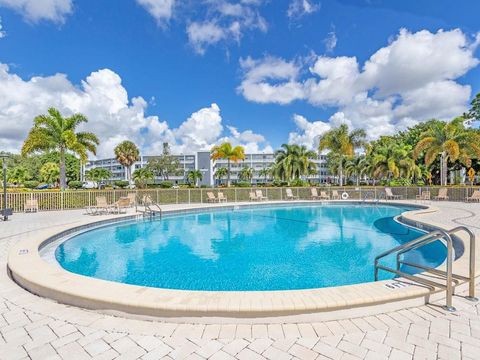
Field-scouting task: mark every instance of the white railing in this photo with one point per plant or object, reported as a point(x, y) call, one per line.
point(77, 199)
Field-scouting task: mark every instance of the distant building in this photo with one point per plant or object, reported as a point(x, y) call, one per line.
point(200, 160)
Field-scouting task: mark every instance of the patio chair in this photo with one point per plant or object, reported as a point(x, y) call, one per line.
point(335, 195)
point(120, 205)
point(31, 205)
point(314, 194)
point(442, 194)
point(290, 195)
point(132, 197)
point(475, 197)
point(211, 197)
point(324, 195)
point(260, 196)
point(252, 196)
point(101, 206)
point(221, 197)
point(389, 195)
point(424, 195)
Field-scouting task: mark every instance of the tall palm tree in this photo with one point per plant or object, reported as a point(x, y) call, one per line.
point(344, 142)
point(127, 154)
point(452, 142)
point(293, 161)
point(142, 176)
point(221, 173)
point(394, 160)
point(227, 151)
point(356, 166)
point(246, 174)
point(266, 173)
point(53, 132)
point(194, 176)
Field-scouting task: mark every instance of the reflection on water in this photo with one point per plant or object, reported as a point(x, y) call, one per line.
point(252, 249)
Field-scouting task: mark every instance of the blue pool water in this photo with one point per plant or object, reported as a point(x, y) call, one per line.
point(274, 248)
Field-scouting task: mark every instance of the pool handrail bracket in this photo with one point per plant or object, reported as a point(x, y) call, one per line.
point(451, 279)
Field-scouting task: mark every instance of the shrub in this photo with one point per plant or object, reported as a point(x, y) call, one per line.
point(400, 182)
point(121, 183)
point(31, 184)
point(166, 184)
point(298, 182)
point(243, 184)
point(74, 184)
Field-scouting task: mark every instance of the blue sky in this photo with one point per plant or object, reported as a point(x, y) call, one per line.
point(276, 71)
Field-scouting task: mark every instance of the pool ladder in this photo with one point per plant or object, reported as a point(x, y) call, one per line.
point(451, 280)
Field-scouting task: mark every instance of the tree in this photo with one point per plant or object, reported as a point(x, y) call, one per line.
point(393, 160)
point(474, 112)
point(221, 173)
point(452, 142)
point(142, 176)
point(193, 176)
point(266, 173)
point(18, 175)
point(356, 167)
point(246, 174)
point(127, 154)
point(98, 175)
point(164, 165)
point(293, 161)
point(228, 152)
point(344, 142)
point(53, 132)
point(50, 172)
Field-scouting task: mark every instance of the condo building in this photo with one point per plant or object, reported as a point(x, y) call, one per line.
point(200, 160)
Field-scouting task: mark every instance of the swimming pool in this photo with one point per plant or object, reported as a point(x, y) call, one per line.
point(281, 247)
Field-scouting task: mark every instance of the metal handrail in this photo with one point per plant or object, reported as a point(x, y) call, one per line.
point(450, 277)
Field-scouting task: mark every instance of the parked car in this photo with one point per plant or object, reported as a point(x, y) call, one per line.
point(89, 185)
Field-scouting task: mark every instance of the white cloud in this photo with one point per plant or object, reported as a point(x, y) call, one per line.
point(330, 42)
point(2, 32)
point(299, 8)
point(161, 10)
point(225, 22)
point(307, 132)
point(112, 115)
point(37, 10)
point(413, 78)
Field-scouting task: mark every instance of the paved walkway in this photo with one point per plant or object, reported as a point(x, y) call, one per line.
point(37, 328)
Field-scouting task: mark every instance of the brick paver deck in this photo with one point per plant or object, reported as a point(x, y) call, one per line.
point(38, 328)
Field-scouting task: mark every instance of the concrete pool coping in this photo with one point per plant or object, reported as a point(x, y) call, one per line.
point(33, 273)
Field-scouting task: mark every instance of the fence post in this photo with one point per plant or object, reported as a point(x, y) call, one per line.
point(62, 199)
point(201, 196)
point(375, 192)
point(189, 196)
point(158, 199)
point(235, 192)
point(176, 195)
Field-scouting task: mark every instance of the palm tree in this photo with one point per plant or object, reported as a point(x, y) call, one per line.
point(220, 173)
point(227, 151)
point(266, 173)
point(127, 154)
point(98, 175)
point(294, 161)
point(246, 174)
point(142, 176)
point(452, 142)
point(53, 132)
point(194, 176)
point(356, 166)
point(344, 142)
point(394, 160)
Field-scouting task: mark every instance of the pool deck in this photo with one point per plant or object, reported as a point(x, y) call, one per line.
point(39, 328)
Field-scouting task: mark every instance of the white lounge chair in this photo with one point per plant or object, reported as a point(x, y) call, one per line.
point(260, 196)
point(221, 197)
point(290, 195)
point(314, 194)
point(423, 196)
point(324, 195)
point(335, 195)
point(252, 196)
point(389, 195)
point(442, 194)
point(475, 197)
point(211, 197)
point(31, 205)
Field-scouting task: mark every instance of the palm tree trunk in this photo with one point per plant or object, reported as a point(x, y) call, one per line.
point(358, 179)
point(340, 182)
point(228, 173)
point(443, 173)
point(63, 180)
